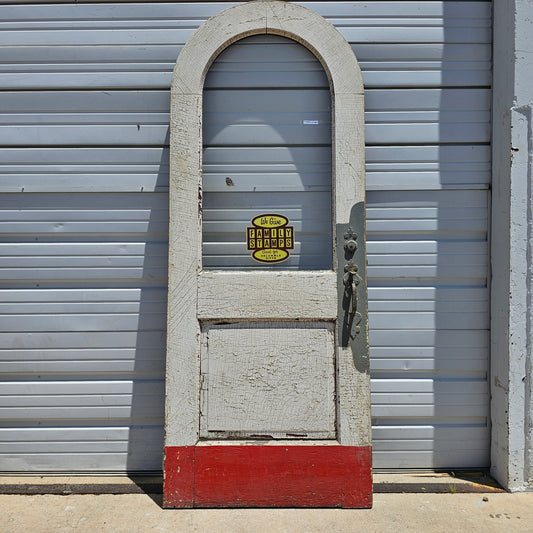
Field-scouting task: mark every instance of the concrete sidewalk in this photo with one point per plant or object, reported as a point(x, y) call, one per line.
point(427, 502)
point(132, 513)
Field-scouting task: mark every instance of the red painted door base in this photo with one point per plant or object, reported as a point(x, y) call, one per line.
point(268, 476)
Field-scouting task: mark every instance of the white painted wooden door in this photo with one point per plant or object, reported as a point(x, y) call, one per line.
point(270, 361)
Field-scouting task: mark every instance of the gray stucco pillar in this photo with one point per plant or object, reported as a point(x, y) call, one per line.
point(512, 245)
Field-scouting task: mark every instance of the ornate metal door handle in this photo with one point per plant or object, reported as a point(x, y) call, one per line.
point(351, 280)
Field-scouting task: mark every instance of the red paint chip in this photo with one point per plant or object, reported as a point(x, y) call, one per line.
point(178, 477)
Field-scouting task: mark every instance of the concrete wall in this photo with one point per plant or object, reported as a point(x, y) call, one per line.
point(512, 240)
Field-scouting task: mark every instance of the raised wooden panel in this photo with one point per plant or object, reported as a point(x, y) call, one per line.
point(268, 379)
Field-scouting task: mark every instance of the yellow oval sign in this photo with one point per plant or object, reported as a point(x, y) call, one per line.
point(270, 255)
point(270, 220)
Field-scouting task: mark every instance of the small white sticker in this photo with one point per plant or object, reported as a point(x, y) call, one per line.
point(311, 122)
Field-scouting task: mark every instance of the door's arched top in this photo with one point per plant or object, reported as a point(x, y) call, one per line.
point(267, 16)
point(297, 23)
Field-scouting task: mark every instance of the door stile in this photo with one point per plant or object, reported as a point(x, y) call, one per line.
point(353, 393)
point(183, 328)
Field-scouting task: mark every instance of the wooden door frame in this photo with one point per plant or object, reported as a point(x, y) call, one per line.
point(345, 469)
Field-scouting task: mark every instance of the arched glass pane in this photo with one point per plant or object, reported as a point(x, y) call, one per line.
point(267, 151)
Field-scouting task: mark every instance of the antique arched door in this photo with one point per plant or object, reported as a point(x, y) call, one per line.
point(267, 355)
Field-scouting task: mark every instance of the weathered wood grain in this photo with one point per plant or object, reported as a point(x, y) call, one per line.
point(267, 295)
point(183, 331)
point(237, 475)
point(269, 379)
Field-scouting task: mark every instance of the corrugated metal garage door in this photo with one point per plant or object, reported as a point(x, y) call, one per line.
point(84, 232)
